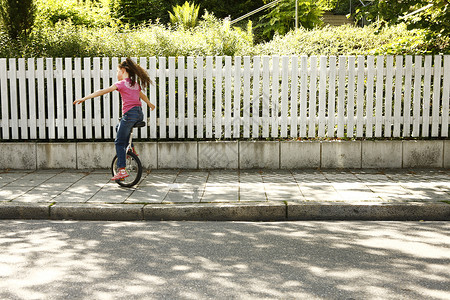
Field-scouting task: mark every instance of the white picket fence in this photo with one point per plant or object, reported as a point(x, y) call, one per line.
point(232, 97)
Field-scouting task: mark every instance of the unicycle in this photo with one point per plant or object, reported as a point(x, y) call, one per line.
point(133, 163)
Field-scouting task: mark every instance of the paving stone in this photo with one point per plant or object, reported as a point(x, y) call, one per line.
point(320, 192)
point(148, 195)
point(220, 193)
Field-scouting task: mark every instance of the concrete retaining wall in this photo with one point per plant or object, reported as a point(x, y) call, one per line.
point(233, 154)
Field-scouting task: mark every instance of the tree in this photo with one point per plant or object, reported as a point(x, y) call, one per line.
point(431, 15)
point(17, 17)
point(281, 17)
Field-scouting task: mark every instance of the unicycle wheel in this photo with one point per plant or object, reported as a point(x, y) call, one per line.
point(134, 169)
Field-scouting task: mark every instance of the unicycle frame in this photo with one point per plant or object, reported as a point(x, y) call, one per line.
point(134, 166)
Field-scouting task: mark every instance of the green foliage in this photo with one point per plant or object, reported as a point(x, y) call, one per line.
point(65, 39)
point(89, 13)
point(143, 11)
point(281, 17)
point(185, 15)
point(434, 19)
point(71, 37)
point(339, 7)
point(350, 40)
point(16, 17)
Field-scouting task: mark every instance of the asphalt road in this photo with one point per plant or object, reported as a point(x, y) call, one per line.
point(224, 260)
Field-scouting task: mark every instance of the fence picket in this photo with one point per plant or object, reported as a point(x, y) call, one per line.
point(209, 97)
point(181, 98)
point(41, 98)
point(379, 96)
point(351, 96)
point(284, 95)
point(13, 99)
point(218, 98)
point(341, 97)
point(31, 75)
point(255, 99)
point(97, 102)
point(407, 97)
point(275, 95)
point(303, 95)
point(190, 97)
point(332, 98)
point(369, 96)
point(106, 101)
point(266, 95)
point(417, 95)
point(398, 95)
point(78, 94)
point(68, 91)
point(445, 96)
point(162, 98)
point(172, 98)
point(436, 95)
point(59, 79)
point(228, 89)
point(23, 124)
point(87, 90)
point(4, 99)
point(237, 97)
point(247, 101)
point(294, 97)
point(426, 97)
point(360, 98)
point(199, 103)
point(388, 95)
point(152, 122)
point(312, 97)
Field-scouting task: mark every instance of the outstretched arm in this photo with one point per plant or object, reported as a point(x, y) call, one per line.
point(96, 94)
point(146, 100)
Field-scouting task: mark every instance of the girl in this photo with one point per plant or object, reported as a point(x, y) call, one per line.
point(132, 78)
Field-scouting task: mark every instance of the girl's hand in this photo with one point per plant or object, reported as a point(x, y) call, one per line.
point(152, 106)
point(78, 101)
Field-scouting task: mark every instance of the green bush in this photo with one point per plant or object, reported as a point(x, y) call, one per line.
point(213, 37)
point(65, 39)
point(351, 40)
point(89, 13)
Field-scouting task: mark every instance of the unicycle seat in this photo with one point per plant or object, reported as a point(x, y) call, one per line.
point(139, 124)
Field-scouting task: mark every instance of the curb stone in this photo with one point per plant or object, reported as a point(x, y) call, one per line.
point(265, 211)
point(411, 211)
point(96, 212)
point(10, 210)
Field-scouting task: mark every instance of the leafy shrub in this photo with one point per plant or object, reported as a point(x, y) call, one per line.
point(65, 39)
point(351, 40)
point(89, 13)
point(185, 15)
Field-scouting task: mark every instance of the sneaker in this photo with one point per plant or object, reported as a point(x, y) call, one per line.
point(120, 175)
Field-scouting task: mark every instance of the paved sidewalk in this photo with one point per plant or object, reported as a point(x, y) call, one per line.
point(228, 195)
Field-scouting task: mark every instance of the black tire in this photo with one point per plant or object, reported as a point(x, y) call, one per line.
point(134, 168)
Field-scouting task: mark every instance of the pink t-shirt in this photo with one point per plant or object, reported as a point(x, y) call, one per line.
point(130, 94)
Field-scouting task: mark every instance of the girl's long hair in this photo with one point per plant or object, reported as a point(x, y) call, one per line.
point(136, 73)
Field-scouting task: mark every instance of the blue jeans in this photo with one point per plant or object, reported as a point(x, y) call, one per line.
point(124, 128)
